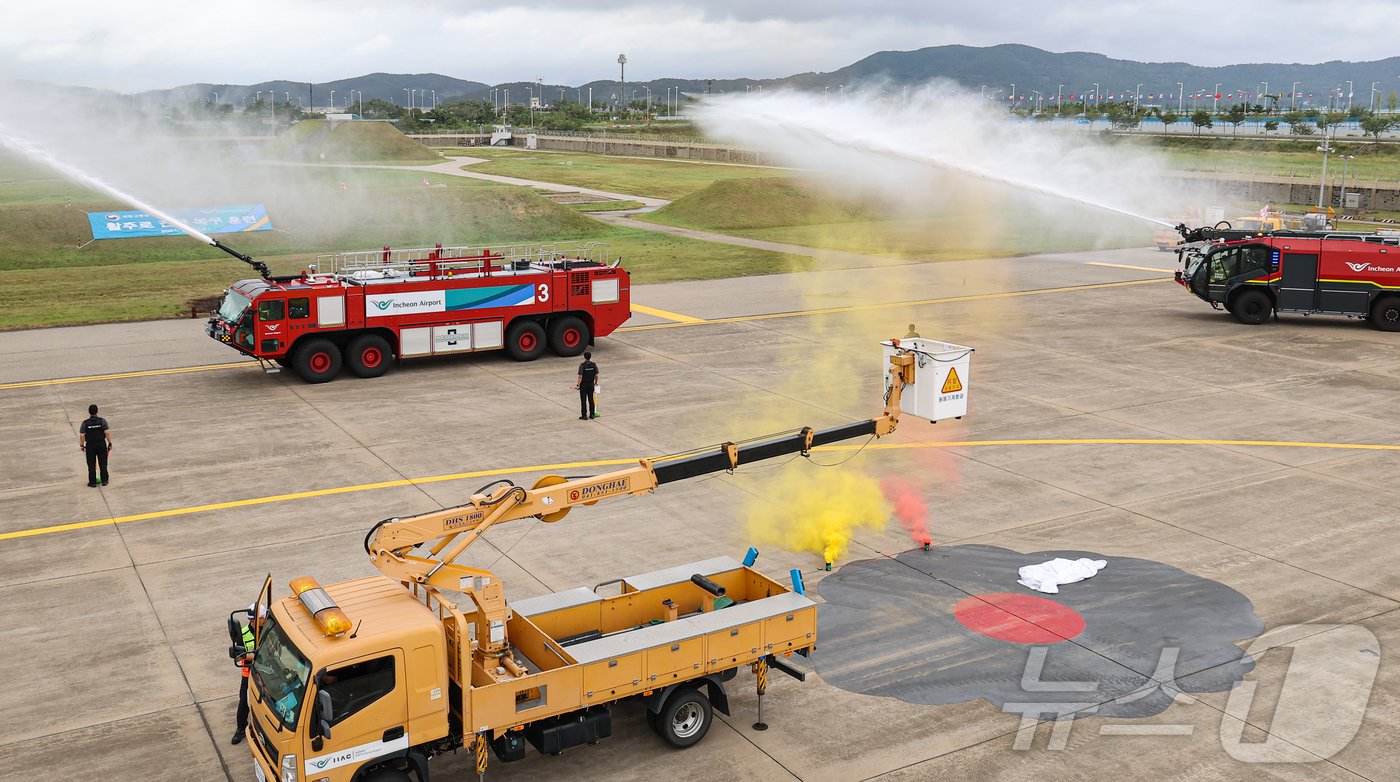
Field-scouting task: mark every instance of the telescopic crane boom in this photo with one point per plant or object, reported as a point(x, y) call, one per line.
point(450, 531)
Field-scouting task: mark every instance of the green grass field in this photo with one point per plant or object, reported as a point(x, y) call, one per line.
point(634, 176)
point(49, 268)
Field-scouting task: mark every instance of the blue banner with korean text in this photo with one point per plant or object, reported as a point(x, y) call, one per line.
point(241, 218)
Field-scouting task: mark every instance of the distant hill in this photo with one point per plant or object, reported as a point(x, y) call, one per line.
point(995, 67)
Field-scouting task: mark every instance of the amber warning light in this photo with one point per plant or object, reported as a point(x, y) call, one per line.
point(328, 615)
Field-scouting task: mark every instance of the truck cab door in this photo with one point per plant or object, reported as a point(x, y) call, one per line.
point(272, 326)
point(368, 713)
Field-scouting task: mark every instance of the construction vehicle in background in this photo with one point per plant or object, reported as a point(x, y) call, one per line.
point(364, 309)
point(369, 679)
point(1255, 275)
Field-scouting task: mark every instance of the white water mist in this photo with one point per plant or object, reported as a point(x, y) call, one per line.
point(927, 148)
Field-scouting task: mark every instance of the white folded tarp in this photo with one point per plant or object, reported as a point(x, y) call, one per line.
point(1048, 576)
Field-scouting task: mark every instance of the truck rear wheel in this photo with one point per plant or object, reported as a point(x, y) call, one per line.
point(369, 355)
point(685, 719)
point(317, 361)
point(1252, 307)
point(525, 340)
point(1385, 313)
point(568, 336)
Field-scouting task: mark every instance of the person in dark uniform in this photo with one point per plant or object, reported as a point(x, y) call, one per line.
point(95, 440)
point(587, 380)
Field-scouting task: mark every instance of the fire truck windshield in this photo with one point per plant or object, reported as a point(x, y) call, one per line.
point(280, 673)
point(233, 306)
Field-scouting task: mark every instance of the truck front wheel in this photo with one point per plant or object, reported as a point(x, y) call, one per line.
point(1252, 307)
point(525, 340)
point(369, 355)
point(317, 361)
point(1385, 313)
point(685, 719)
point(568, 336)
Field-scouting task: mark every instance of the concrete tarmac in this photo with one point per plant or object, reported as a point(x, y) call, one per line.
point(115, 649)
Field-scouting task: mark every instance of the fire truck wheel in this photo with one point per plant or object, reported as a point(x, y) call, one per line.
point(525, 340)
point(685, 718)
point(568, 336)
point(1252, 308)
point(318, 361)
point(369, 355)
point(1385, 314)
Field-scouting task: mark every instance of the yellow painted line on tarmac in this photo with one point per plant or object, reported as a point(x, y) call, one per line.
point(301, 495)
point(120, 375)
point(888, 305)
point(672, 316)
point(553, 468)
point(678, 321)
point(1126, 266)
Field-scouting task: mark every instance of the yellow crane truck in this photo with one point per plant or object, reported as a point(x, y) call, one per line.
point(368, 679)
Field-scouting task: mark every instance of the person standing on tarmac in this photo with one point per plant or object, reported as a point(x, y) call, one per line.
point(245, 665)
point(95, 440)
point(587, 380)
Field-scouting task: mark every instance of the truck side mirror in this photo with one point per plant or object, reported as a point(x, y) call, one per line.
point(235, 631)
point(321, 715)
point(236, 651)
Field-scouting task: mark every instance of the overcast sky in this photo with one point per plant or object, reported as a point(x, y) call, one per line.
point(148, 44)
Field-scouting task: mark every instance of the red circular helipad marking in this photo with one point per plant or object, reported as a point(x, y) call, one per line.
point(1022, 619)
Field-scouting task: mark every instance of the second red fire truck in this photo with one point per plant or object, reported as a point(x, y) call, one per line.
point(1254, 276)
point(363, 310)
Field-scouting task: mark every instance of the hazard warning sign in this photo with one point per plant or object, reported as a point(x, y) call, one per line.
point(952, 383)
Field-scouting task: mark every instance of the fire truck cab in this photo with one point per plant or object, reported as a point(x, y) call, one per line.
point(1332, 273)
point(369, 308)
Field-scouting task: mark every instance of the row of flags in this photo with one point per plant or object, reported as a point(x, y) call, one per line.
point(1164, 95)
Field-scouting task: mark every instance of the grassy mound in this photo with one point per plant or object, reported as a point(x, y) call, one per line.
point(348, 142)
point(770, 202)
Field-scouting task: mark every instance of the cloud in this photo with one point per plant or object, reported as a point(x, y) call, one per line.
point(148, 44)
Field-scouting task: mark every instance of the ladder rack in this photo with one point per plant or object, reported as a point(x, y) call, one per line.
point(439, 261)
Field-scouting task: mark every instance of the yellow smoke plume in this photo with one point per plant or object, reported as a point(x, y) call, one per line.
point(811, 509)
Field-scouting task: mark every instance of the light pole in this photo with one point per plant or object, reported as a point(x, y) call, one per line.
point(843, 91)
point(1013, 94)
point(622, 77)
point(1096, 95)
point(1137, 97)
point(1293, 96)
point(1342, 202)
point(648, 89)
point(1180, 96)
point(1059, 95)
point(1215, 99)
point(408, 99)
point(1373, 106)
point(1351, 90)
point(332, 100)
point(1324, 149)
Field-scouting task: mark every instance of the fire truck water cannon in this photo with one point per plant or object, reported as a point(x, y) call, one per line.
point(439, 661)
point(258, 266)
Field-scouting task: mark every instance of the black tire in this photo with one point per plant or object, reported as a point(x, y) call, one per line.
point(685, 719)
point(317, 361)
point(369, 355)
point(1252, 308)
point(1385, 313)
point(568, 336)
point(525, 340)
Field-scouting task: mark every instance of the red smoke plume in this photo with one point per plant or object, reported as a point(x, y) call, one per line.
point(909, 508)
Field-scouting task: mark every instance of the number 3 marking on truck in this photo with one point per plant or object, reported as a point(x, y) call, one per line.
point(544, 292)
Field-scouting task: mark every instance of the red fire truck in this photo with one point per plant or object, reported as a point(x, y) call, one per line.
point(366, 308)
point(1318, 272)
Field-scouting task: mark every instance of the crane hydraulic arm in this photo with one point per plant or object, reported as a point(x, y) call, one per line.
point(552, 497)
point(450, 531)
